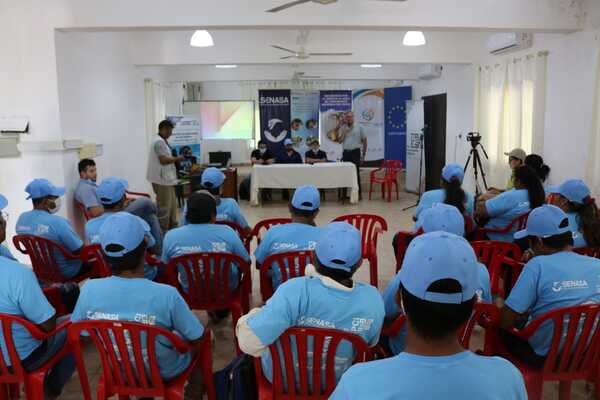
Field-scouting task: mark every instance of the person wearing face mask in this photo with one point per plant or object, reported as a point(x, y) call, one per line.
point(315, 155)
point(262, 155)
point(42, 221)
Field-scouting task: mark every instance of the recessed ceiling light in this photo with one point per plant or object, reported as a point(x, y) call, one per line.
point(414, 38)
point(370, 65)
point(201, 39)
point(225, 66)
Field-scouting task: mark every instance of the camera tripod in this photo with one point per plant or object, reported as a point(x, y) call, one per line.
point(477, 165)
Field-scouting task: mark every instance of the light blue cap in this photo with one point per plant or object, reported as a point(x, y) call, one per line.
point(39, 188)
point(126, 230)
point(287, 142)
point(545, 221)
point(451, 171)
point(575, 190)
point(212, 178)
point(442, 217)
point(306, 198)
point(3, 202)
point(339, 246)
point(439, 255)
point(112, 190)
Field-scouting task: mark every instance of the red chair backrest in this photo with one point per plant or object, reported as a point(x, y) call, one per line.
point(207, 277)
point(588, 251)
point(282, 261)
point(486, 250)
point(325, 343)
point(402, 242)
point(92, 254)
point(516, 224)
point(505, 270)
point(391, 168)
point(369, 225)
point(265, 225)
point(487, 316)
point(138, 374)
point(83, 210)
point(243, 233)
point(42, 253)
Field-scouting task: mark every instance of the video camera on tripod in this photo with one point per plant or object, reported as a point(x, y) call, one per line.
point(475, 139)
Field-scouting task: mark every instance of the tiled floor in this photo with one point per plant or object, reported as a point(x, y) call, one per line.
point(223, 350)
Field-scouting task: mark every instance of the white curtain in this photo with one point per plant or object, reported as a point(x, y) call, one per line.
point(593, 157)
point(510, 107)
point(160, 100)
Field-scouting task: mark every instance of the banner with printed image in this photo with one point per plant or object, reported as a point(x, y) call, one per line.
point(333, 104)
point(275, 112)
point(185, 140)
point(368, 106)
point(395, 123)
point(304, 119)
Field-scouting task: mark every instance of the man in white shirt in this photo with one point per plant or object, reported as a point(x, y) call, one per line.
point(162, 173)
point(354, 145)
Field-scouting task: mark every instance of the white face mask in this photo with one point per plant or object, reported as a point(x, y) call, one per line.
point(57, 204)
point(315, 150)
point(262, 150)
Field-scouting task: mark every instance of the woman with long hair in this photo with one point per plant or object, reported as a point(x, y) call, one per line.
point(537, 163)
point(573, 197)
point(504, 208)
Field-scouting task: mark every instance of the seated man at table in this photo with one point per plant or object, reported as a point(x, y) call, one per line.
point(315, 155)
point(555, 277)
point(42, 221)
point(127, 296)
point(262, 155)
point(86, 194)
point(437, 292)
point(301, 234)
point(326, 297)
point(288, 156)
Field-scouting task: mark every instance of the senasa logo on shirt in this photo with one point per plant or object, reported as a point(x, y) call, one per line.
point(284, 246)
point(568, 285)
point(316, 322)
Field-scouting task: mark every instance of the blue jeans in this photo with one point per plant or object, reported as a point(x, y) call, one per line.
point(60, 374)
point(146, 210)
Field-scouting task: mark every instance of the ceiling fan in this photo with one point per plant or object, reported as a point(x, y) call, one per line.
point(298, 2)
point(302, 54)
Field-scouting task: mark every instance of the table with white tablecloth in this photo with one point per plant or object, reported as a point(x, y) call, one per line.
point(290, 176)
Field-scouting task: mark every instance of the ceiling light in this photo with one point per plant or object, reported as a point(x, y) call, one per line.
point(414, 38)
point(370, 65)
point(225, 66)
point(201, 39)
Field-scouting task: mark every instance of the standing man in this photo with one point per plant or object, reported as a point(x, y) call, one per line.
point(354, 145)
point(162, 173)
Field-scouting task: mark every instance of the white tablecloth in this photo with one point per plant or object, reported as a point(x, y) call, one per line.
point(290, 176)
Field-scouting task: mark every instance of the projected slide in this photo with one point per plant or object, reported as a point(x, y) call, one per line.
point(227, 119)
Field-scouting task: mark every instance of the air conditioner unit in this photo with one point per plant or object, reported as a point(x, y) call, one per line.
point(502, 43)
point(430, 71)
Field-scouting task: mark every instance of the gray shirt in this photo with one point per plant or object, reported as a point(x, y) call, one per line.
point(158, 173)
point(353, 138)
point(85, 193)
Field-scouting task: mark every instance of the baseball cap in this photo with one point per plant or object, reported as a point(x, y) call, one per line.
point(517, 153)
point(545, 221)
point(287, 142)
point(442, 217)
point(126, 230)
point(439, 255)
point(339, 246)
point(575, 190)
point(306, 198)
point(112, 190)
point(453, 171)
point(212, 178)
point(39, 188)
point(3, 202)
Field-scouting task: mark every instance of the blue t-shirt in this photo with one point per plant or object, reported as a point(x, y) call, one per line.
point(5, 252)
point(199, 238)
point(578, 238)
point(283, 238)
point(432, 197)
point(229, 210)
point(21, 295)
point(55, 228)
point(92, 235)
point(397, 343)
point(554, 281)
point(414, 377)
point(309, 302)
point(143, 301)
point(503, 209)
point(86, 193)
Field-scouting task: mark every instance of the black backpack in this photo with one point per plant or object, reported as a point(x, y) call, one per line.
point(237, 381)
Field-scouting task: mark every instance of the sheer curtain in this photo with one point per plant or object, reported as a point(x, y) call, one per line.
point(510, 107)
point(161, 99)
point(593, 158)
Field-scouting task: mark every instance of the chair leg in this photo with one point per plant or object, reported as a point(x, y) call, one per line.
point(373, 271)
point(389, 192)
point(397, 192)
point(535, 386)
point(383, 190)
point(34, 386)
point(564, 390)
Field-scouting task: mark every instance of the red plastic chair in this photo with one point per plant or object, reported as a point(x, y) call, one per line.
point(487, 251)
point(588, 251)
point(516, 224)
point(242, 232)
point(11, 377)
point(504, 272)
point(207, 277)
point(42, 253)
point(403, 240)
point(264, 225)
point(86, 215)
point(281, 261)
point(370, 227)
point(325, 344)
point(573, 354)
point(121, 375)
point(389, 178)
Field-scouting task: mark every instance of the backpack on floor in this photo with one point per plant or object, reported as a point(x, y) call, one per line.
point(237, 381)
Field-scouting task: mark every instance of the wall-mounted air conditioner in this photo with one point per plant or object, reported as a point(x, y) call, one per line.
point(430, 71)
point(502, 43)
